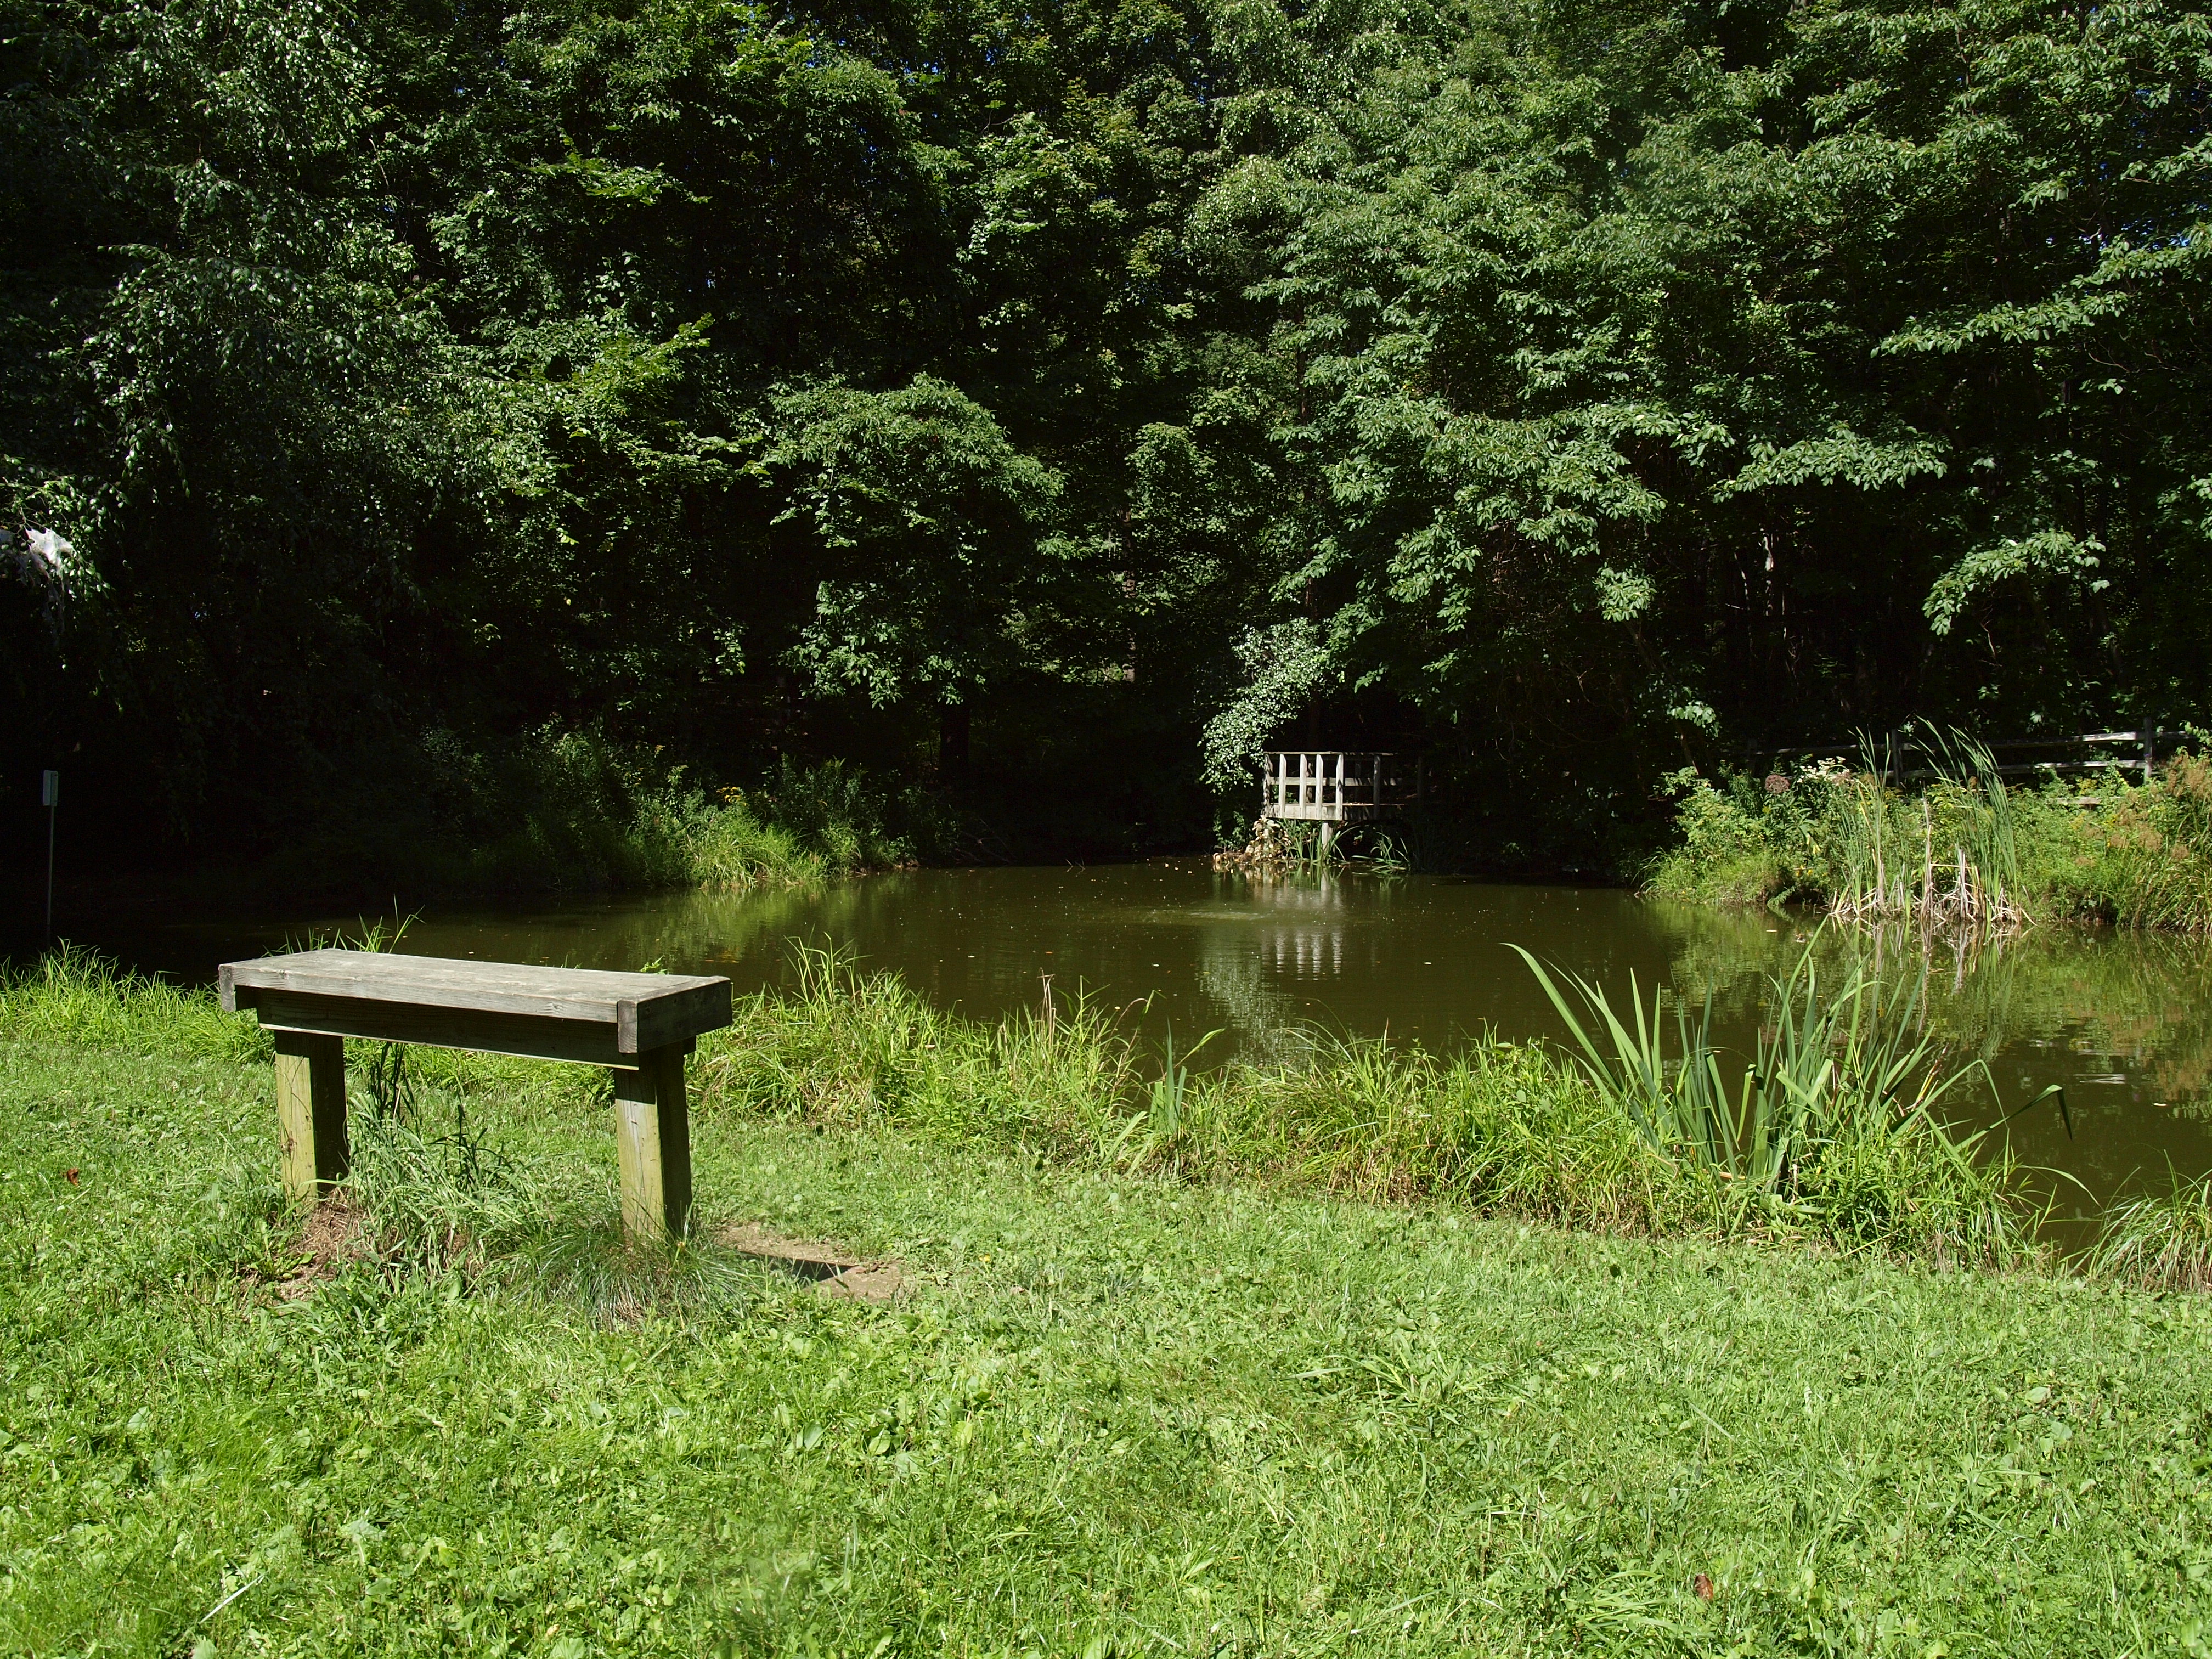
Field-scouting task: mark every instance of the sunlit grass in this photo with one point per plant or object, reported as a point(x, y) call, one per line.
point(1837, 1122)
point(1841, 1142)
point(1120, 1410)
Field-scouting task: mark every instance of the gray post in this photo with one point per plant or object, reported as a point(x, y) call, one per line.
point(49, 797)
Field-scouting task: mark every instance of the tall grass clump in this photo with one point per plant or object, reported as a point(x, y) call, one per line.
point(2143, 859)
point(75, 998)
point(438, 1198)
point(851, 1048)
point(1947, 854)
point(2161, 1239)
point(436, 1193)
point(725, 847)
point(803, 824)
point(1832, 1123)
point(1496, 1126)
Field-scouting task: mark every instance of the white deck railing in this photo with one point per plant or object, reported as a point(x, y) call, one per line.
point(1332, 786)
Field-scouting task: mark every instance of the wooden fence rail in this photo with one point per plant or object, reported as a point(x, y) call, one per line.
point(1894, 753)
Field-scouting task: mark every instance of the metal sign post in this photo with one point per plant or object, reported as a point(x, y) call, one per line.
point(49, 797)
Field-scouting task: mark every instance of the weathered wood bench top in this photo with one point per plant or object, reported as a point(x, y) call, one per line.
point(553, 1013)
point(642, 1026)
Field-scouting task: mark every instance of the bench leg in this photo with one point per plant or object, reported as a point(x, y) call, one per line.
point(311, 1111)
point(653, 1125)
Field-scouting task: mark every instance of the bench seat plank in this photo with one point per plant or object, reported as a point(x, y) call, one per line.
point(557, 1013)
point(536, 1037)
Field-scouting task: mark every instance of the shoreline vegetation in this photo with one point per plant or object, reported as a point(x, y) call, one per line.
point(1837, 1136)
point(1963, 847)
point(568, 810)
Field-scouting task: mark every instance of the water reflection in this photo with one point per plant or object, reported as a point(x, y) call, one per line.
point(2123, 1021)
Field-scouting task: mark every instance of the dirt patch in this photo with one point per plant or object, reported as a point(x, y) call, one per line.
point(337, 1232)
point(834, 1272)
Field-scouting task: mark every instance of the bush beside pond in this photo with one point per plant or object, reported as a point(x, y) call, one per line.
point(569, 810)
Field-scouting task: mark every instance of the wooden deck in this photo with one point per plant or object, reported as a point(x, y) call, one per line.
point(1332, 787)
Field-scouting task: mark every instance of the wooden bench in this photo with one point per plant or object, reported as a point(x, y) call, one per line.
point(640, 1026)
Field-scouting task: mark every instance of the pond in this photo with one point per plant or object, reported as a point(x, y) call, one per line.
point(2122, 1021)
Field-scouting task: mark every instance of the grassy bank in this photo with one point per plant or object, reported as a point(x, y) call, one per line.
point(803, 825)
point(1119, 1409)
point(1964, 846)
point(1496, 1129)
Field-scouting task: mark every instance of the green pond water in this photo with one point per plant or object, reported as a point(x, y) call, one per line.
point(2123, 1021)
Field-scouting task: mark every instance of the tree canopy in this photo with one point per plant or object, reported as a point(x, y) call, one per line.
point(1568, 389)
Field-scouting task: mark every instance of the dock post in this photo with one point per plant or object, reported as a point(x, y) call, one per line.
point(653, 1130)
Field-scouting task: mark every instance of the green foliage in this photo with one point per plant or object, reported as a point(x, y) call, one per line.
point(1285, 667)
point(1842, 1144)
point(72, 997)
point(571, 811)
point(1835, 1116)
point(932, 517)
point(1578, 390)
point(2163, 1240)
point(2144, 859)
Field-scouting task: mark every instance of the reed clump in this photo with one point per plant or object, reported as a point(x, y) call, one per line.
point(1837, 1122)
point(1282, 847)
point(1961, 847)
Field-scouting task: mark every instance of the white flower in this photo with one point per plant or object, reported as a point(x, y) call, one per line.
point(48, 549)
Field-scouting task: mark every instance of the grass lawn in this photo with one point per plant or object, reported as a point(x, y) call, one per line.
point(1111, 1414)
